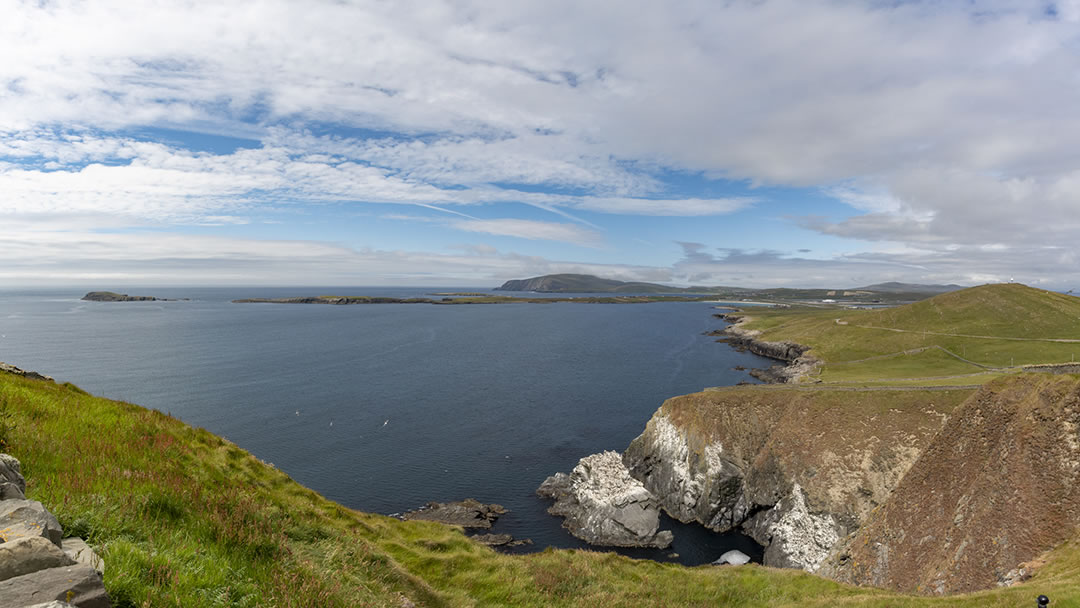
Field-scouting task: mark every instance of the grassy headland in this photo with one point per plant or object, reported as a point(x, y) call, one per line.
point(185, 518)
point(971, 335)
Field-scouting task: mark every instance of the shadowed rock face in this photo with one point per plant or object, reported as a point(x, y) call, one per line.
point(604, 506)
point(998, 486)
point(795, 469)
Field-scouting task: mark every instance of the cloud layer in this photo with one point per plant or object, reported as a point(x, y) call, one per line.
point(945, 131)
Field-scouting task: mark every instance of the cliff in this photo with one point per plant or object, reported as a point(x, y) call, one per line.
point(796, 468)
point(994, 490)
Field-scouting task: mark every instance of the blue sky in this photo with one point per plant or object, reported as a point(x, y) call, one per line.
point(769, 143)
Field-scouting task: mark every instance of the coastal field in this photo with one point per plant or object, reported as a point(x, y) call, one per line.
point(185, 518)
point(962, 337)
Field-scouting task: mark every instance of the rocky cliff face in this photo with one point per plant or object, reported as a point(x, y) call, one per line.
point(797, 469)
point(996, 488)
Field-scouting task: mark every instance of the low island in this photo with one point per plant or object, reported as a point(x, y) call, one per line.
point(112, 296)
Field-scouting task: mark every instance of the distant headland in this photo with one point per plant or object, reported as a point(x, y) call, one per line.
point(478, 299)
point(586, 283)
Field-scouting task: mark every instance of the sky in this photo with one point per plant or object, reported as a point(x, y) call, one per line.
point(757, 143)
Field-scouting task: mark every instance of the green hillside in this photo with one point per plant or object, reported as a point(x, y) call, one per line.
point(987, 330)
point(185, 518)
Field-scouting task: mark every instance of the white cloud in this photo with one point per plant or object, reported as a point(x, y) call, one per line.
point(934, 124)
point(531, 229)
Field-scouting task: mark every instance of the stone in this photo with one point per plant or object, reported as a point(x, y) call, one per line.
point(468, 513)
point(11, 472)
point(30, 554)
point(52, 604)
point(28, 517)
point(77, 549)
point(603, 505)
point(78, 585)
point(733, 557)
point(10, 491)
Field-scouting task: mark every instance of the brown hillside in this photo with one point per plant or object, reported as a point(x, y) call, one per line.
point(996, 488)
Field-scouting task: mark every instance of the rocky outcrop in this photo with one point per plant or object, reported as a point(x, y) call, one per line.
point(996, 488)
point(37, 566)
point(468, 513)
point(797, 469)
point(798, 366)
point(603, 505)
point(11, 369)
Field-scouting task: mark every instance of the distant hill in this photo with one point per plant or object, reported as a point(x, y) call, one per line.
point(894, 287)
point(1002, 309)
point(586, 283)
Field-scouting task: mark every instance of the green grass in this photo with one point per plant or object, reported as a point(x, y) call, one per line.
point(185, 518)
point(994, 328)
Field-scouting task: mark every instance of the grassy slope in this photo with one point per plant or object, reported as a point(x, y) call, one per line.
point(1000, 326)
point(184, 518)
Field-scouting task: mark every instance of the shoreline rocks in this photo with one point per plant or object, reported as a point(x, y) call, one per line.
point(603, 505)
point(798, 365)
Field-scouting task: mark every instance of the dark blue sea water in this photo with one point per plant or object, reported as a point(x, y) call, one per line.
point(385, 407)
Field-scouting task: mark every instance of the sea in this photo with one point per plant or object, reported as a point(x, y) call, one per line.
point(386, 407)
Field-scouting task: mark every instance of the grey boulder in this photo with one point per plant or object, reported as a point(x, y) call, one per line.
point(30, 554)
point(28, 518)
point(77, 549)
point(11, 472)
point(78, 585)
point(733, 557)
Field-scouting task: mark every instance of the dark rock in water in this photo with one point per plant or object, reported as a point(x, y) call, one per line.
point(500, 540)
point(603, 505)
point(733, 557)
point(468, 513)
point(79, 585)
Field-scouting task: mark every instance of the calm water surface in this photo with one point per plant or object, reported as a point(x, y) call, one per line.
point(385, 407)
